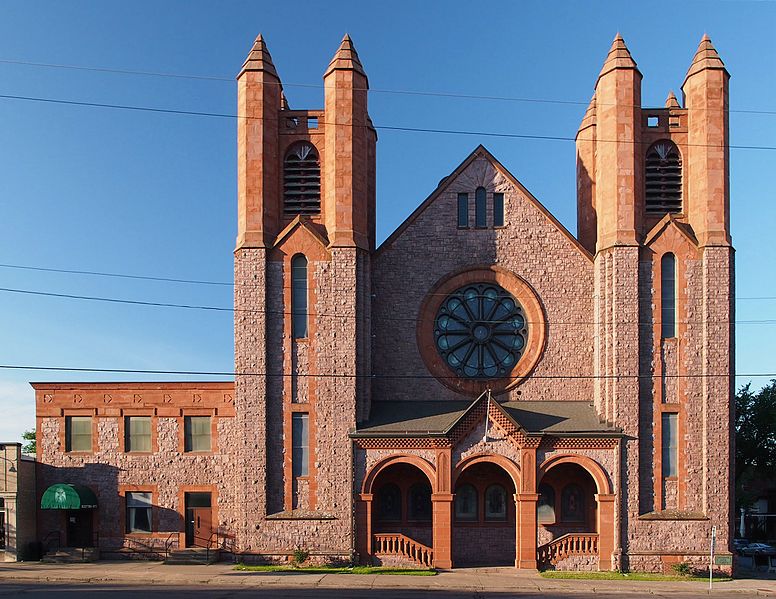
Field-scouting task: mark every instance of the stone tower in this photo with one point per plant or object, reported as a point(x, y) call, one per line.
point(306, 214)
point(653, 207)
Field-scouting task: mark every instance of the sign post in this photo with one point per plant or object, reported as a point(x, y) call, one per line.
point(711, 560)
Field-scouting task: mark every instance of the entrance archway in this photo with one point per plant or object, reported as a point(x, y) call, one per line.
point(574, 513)
point(484, 521)
point(401, 502)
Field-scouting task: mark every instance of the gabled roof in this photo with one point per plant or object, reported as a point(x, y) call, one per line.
point(667, 221)
point(439, 418)
point(304, 223)
point(481, 152)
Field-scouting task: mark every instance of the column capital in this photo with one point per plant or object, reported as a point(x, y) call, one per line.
point(526, 497)
point(442, 497)
point(365, 496)
point(604, 497)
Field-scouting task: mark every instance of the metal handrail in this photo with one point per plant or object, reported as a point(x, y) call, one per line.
point(168, 543)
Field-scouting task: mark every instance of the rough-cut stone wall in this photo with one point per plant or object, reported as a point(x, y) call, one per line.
point(250, 358)
point(486, 544)
point(530, 245)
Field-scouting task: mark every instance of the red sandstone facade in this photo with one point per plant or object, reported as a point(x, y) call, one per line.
point(349, 433)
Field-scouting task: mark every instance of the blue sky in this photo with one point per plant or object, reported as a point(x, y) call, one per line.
point(155, 194)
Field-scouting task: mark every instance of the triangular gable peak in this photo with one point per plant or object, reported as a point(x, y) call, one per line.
point(484, 177)
point(301, 235)
point(496, 417)
point(669, 232)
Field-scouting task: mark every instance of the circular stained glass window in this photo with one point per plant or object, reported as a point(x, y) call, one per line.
point(480, 331)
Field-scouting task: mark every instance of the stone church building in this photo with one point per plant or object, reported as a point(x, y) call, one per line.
point(482, 388)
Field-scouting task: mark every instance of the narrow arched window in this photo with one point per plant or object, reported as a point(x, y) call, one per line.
point(495, 503)
point(480, 204)
point(545, 508)
point(299, 297)
point(663, 178)
point(389, 503)
point(466, 503)
point(419, 504)
point(302, 181)
point(668, 295)
point(572, 504)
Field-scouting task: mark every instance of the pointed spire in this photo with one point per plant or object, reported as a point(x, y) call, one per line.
point(706, 57)
point(346, 58)
point(671, 101)
point(589, 117)
point(619, 57)
point(259, 59)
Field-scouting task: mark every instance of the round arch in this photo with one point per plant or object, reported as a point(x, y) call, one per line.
point(592, 467)
point(423, 465)
point(490, 458)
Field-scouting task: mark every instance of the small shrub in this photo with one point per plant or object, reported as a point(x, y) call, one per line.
point(300, 557)
point(682, 569)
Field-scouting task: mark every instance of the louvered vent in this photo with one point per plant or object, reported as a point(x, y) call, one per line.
point(663, 179)
point(302, 181)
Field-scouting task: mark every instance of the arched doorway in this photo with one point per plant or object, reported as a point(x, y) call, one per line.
point(574, 514)
point(484, 515)
point(401, 503)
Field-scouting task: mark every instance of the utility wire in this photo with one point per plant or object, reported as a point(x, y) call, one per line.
point(406, 92)
point(377, 127)
point(372, 376)
point(255, 286)
point(345, 316)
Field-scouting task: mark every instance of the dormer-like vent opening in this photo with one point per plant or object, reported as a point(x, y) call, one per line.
point(663, 178)
point(302, 181)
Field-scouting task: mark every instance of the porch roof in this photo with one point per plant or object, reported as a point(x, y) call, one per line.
point(436, 418)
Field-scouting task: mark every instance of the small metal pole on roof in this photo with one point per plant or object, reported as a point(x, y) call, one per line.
point(487, 419)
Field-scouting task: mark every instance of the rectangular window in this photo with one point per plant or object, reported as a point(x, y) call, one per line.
point(138, 512)
point(498, 209)
point(300, 440)
point(480, 208)
point(197, 433)
point(78, 433)
point(463, 210)
point(670, 452)
point(137, 433)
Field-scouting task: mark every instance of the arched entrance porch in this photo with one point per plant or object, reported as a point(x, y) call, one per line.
point(396, 512)
point(574, 514)
point(484, 515)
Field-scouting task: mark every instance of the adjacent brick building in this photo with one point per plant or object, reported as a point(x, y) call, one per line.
point(482, 388)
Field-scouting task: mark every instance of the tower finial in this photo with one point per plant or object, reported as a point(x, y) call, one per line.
point(346, 58)
point(619, 57)
point(259, 59)
point(706, 57)
point(671, 101)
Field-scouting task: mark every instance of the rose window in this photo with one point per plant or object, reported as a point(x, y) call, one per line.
point(480, 331)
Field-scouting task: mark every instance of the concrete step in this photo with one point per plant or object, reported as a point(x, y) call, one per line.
point(193, 556)
point(65, 555)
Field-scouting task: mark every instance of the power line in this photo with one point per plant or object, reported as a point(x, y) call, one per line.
point(342, 316)
point(377, 127)
point(253, 285)
point(406, 92)
point(371, 376)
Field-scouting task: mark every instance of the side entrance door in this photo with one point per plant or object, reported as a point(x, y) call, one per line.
point(79, 528)
point(201, 520)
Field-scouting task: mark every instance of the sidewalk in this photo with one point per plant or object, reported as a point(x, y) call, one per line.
point(473, 580)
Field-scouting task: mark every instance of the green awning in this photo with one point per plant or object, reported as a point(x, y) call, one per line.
point(66, 496)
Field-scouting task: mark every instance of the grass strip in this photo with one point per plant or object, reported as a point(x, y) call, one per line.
point(336, 570)
point(628, 576)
